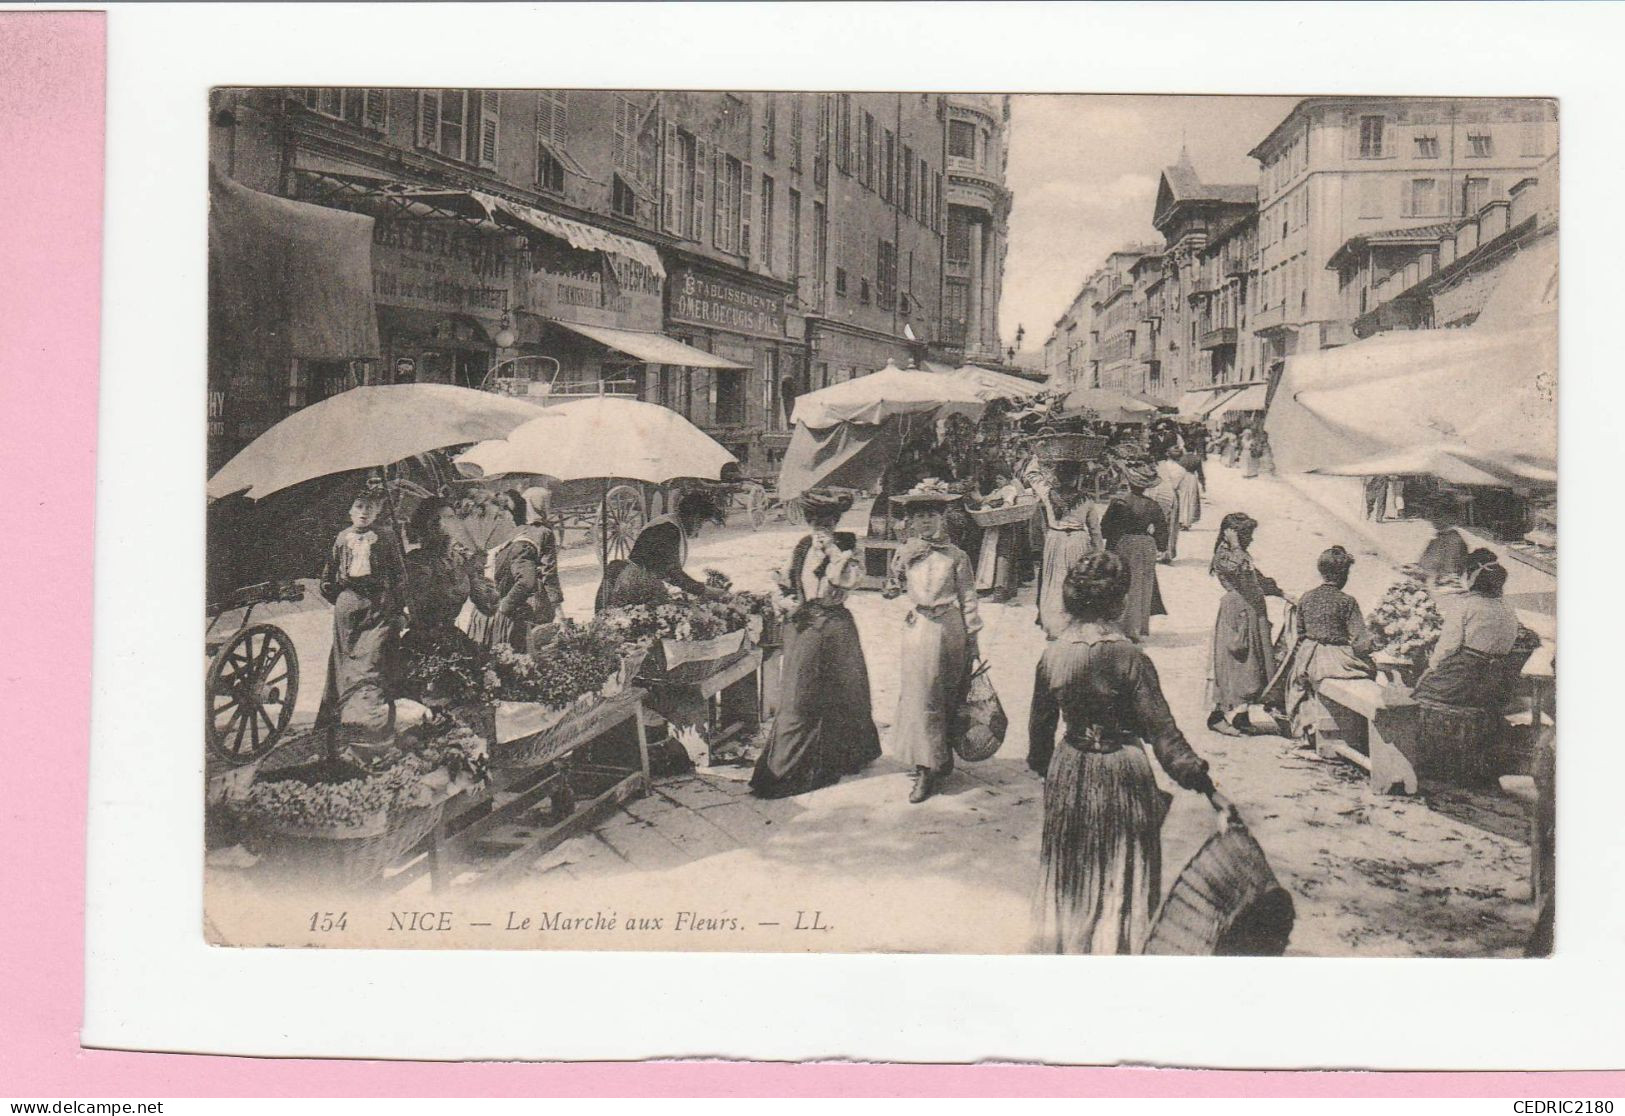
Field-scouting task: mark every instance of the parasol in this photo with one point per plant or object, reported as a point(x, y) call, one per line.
point(366, 428)
point(1109, 405)
point(990, 385)
point(603, 437)
point(892, 391)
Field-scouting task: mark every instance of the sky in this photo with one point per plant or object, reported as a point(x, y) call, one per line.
point(1084, 171)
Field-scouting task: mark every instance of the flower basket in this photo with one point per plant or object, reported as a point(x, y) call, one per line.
point(1003, 517)
point(1054, 448)
point(349, 857)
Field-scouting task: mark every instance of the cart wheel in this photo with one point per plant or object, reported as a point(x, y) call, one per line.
point(251, 685)
point(756, 503)
point(620, 518)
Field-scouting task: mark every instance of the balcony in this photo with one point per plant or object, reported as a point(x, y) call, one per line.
point(1239, 266)
point(1222, 337)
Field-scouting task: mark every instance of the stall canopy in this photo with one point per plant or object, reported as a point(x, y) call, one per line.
point(1200, 404)
point(651, 348)
point(990, 385)
point(1254, 397)
point(850, 433)
point(1475, 402)
point(1109, 405)
point(288, 267)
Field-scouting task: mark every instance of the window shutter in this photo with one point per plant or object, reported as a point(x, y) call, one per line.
point(623, 133)
point(375, 108)
point(719, 199)
point(668, 220)
point(428, 118)
point(558, 117)
point(746, 194)
point(490, 101)
point(702, 163)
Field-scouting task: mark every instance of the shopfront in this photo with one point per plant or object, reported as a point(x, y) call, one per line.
point(741, 320)
point(842, 352)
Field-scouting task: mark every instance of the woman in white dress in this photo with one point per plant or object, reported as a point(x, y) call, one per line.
point(939, 639)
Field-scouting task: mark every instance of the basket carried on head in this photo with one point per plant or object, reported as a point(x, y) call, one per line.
point(1226, 903)
point(1054, 448)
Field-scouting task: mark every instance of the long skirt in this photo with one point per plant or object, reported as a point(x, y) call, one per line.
point(1062, 551)
point(1144, 600)
point(1250, 465)
point(356, 698)
point(1242, 659)
point(1311, 664)
point(998, 565)
point(934, 672)
point(1167, 498)
point(825, 727)
point(1100, 864)
point(1466, 679)
point(1190, 500)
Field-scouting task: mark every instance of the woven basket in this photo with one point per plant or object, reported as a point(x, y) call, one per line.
point(1053, 448)
point(1458, 745)
point(1002, 517)
point(1226, 903)
point(344, 860)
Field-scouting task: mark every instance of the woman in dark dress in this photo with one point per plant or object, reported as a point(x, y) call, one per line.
point(825, 725)
point(442, 574)
point(1100, 866)
point(1136, 530)
point(1242, 659)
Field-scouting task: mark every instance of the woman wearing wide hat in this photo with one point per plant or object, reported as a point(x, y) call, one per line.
point(1136, 530)
point(939, 638)
point(825, 725)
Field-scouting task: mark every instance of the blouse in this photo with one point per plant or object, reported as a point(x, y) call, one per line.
point(367, 561)
point(1092, 676)
point(1476, 622)
point(662, 549)
point(1235, 570)
point(1328, 615)
point(938, 575)
point(820, 578)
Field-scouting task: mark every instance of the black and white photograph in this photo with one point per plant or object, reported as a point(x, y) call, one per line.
point(880, 522)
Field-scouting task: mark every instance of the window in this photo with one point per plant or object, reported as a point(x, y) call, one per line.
point(1371, 137)
point(795, 236)
point(366, 107)
point(767, 223)
point(840, 282)
point(961, 139)
point(863, 292)
point(460, 124)
point(730, 386)
point(795, 132)
point(1427, 147)
point(682, 177)
point(936, 205)
point(866, 152)
point(1370, 196)
point(843, 133)
point(826, 120)
point(821, 251)
point(956, 298)
point(549, 171)
point(622, 200)
point(634, 153)
point(958, 236)
point(772, 392)
point(888, 167)
point(1479, 146)
point(1422, 196)
point(886, 275)
point(731, 222)
point(1474, 193)
point(552, 108)
point(1531, 135)
point(770, 122)
point(908, 180)
point(925, 194)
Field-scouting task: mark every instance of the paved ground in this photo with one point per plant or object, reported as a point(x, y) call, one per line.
point(1439, 875)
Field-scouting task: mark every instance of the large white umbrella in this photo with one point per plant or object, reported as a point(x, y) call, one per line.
point(990, 385)
point(606, 437)
point(892, 391)
point(367, 428)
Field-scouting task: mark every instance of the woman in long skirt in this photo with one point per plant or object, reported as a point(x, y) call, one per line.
point(1190, 491)
point(1249, 453)
point(365, 581)
point(825, 726)
point(1100, 862)
point(1330, 641)
point(1242, 659)
point(1135, 529)
point(939, 641)
point(1071, 531)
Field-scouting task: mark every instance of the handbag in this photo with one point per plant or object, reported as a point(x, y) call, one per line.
point(980, 723)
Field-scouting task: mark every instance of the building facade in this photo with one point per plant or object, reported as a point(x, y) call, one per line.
point(1340, 168)
point(717, 253)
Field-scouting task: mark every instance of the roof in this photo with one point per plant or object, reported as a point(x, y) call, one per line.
point(1181, 185)
point(1415, 234)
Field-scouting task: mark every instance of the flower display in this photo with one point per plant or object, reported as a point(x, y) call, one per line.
point(580, 660)
point(1407, 620)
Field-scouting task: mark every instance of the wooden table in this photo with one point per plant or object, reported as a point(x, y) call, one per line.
point(723, 704)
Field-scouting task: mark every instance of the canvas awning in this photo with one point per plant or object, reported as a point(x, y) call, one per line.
point(881, 395)
point(1199, 403)
point(1253, 398)
point(651, 348)
point(580, 236)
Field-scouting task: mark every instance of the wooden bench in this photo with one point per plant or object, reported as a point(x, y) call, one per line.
point(1376, 731)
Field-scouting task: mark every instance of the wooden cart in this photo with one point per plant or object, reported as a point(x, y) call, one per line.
point(252, 678)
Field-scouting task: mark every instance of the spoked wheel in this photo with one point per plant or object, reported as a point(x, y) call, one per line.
point(756, 506)
point(250, 689)
point(620, 518)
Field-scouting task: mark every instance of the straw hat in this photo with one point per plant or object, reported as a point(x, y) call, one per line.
point(928, 493)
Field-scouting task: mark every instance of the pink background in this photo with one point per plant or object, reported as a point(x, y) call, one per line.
point(52, 66)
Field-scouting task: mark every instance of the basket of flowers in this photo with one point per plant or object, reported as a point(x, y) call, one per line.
point(1406, 624)
point(683, 640)
point(345, 820)
point(536, 704)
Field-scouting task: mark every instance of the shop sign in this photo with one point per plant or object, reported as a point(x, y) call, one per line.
point(592, 288)
point(715, 303)
point(443, 268)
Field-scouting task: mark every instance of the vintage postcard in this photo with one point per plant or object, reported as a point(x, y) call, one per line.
point(885, 522)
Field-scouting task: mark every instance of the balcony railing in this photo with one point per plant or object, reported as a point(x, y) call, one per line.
point(1219, 338)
